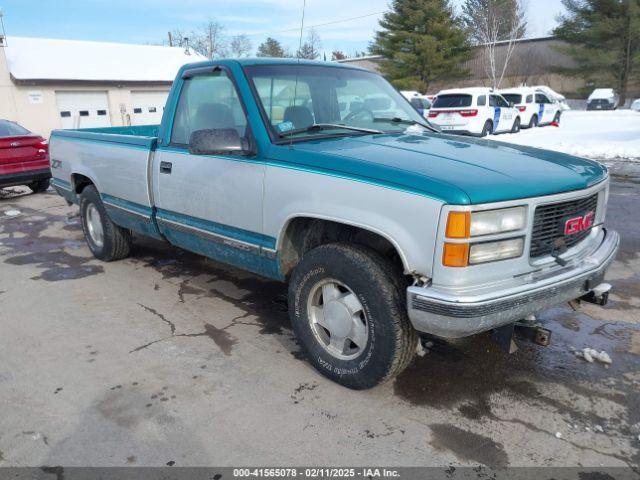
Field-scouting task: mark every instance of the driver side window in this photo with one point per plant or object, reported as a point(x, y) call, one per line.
point(207, 102)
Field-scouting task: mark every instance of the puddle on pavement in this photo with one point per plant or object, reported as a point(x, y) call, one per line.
point(468, 446)
point(23, 235)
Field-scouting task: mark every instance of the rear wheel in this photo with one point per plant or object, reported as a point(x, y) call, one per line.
point(348, 311)
point(487, 129)
point(533, 122)
point(40, 186)
point(556, 119)
point(516, 126)
point(107, 241)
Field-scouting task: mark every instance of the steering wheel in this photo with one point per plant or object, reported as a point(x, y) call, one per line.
point(363, 114)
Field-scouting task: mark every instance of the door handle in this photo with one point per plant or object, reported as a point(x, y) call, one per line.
point(165, 167)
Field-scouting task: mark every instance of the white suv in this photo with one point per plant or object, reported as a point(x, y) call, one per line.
point(535, 107)
point(473, 111)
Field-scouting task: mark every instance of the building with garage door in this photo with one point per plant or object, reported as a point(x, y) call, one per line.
point(47, 84)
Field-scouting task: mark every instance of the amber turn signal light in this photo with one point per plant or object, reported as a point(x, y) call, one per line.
point(459, 225)
point(455, 255)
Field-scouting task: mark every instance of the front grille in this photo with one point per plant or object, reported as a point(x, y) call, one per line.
point(548, 223)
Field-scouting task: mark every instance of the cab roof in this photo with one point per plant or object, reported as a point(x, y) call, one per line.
point(246, 62)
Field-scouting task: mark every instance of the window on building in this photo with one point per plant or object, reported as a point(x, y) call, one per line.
point(137, 110)
point(65, 114)
point(152, 110)
point(102, 112)
point(84, 113)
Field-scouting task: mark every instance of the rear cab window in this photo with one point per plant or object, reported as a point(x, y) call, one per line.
point(451, 100)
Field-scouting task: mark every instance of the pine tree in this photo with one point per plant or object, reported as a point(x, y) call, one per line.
point(271, 48)
point(603, 38)
point(421, 41)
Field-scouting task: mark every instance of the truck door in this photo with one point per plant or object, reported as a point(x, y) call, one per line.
point(211, 204)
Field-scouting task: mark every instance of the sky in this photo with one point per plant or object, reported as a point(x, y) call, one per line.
point(148, 21)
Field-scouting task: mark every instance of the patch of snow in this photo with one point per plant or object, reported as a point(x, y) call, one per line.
point(598, 429)
point(591, 354)
point(558, 435)
point(12, 213)
point(611, 135)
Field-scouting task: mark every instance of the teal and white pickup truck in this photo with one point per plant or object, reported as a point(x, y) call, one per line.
point(324, 176)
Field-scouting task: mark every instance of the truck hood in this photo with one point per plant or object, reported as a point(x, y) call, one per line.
point(456, 170)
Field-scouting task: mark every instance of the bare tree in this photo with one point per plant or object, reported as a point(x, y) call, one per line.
point(310, 49)
point(496, 27)
point(240, 46)
point(208, 39)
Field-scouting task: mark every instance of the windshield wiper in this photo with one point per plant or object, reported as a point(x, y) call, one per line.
point(316, 127)
point(405, 121)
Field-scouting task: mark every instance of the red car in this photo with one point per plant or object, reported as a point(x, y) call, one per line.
point(24, 158)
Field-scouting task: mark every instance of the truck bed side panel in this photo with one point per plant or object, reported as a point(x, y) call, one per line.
point(116, 164)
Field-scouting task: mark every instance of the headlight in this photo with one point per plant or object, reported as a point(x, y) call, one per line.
point(487, 222)
point(492, 251)
point(470, 225)
point(497, 221)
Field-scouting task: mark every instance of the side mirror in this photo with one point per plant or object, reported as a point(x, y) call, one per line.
point(223, 141)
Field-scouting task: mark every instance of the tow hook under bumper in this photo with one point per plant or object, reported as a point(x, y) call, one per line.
point(527, 329)
point(599, 295)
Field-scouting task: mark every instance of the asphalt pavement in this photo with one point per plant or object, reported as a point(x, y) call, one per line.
point(169, 358)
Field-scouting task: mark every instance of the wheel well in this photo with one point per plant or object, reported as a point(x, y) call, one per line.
point(80, 182)
point(303, 234)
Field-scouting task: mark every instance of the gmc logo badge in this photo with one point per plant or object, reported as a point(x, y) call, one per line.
point(579, 224)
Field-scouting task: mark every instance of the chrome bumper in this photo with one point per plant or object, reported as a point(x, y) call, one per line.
point(454, 316)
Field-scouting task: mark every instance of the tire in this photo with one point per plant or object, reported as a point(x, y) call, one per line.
point(40, 186)
point(556, 119)
point(369, 281)
point(114, 242)
point(516, 126)
point(533, 123)
point(487, 129)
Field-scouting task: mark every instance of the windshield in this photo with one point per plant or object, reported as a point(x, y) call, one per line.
point(452, 101)
point(10, 129)
point(513, 98)
point(296, 97)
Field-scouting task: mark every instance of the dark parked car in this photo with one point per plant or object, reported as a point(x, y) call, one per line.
point(24, 158)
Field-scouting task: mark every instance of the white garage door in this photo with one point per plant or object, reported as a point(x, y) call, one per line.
point(83, 109)
point(148, 107)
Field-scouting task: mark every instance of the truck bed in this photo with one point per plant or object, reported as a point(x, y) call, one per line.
point(117, 161)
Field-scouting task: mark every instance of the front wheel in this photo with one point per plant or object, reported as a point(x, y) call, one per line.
point(348, 312)
point(107, 241)
point(533, 122)
point(556, 119)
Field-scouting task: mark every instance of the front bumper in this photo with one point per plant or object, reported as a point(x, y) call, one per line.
point(450, 316)
point(24, 178)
